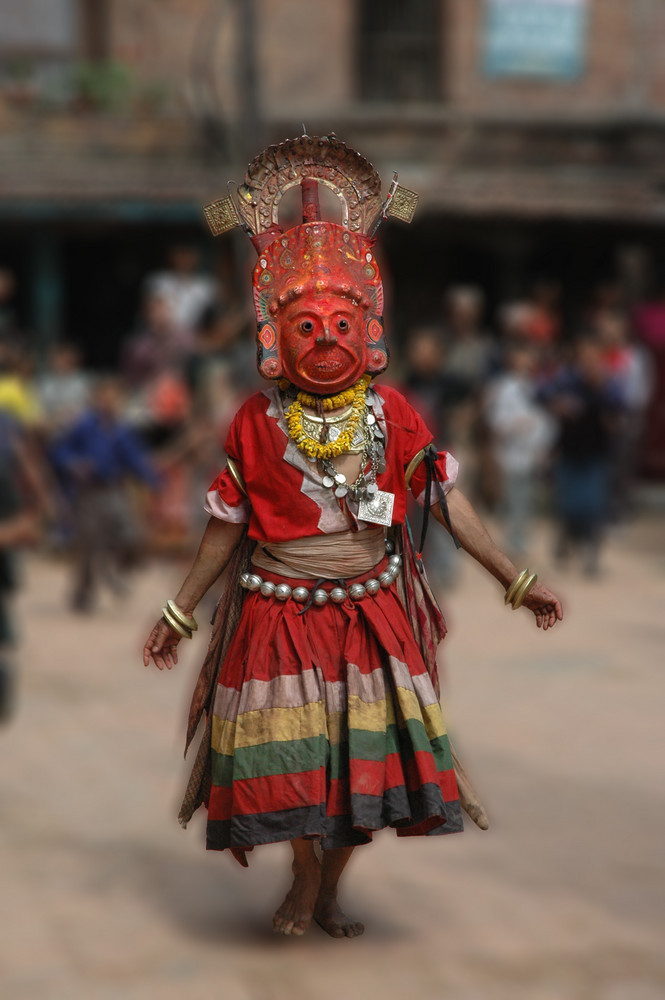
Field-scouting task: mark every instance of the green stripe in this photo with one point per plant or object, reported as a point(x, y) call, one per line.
point(292, 756)
point(266, 759)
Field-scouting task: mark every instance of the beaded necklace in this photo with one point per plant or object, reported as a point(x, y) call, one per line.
point(331, 449)
point(360, 422)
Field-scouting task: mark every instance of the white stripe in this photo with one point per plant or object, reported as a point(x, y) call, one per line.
point(219, 508)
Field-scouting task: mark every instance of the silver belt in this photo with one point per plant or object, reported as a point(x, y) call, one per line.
point(357, 591)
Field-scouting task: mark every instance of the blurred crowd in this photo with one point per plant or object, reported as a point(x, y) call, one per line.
point(102, 468)
point(543, 418)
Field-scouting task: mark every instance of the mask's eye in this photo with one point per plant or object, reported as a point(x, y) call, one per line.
point(343, 325)
point(307, 326)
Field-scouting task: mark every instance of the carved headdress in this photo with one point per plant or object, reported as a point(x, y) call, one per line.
point(315, 258)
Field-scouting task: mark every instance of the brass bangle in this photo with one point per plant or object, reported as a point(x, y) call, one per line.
point(523, 590)
point(236, 475)
point(187, 621)
point(519, 579)
point(175, 624)
point(412, 466)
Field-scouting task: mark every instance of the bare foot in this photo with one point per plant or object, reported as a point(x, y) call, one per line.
point(333, 920)
point(295, 914)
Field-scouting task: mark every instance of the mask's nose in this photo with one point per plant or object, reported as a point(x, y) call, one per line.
point(327, 337)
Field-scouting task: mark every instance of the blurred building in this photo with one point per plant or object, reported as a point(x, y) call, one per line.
point(534, 131)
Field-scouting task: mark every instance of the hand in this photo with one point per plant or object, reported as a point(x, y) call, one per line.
point(545, 606)
point(162, 646)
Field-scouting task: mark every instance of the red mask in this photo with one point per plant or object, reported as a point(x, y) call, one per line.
point(318, 299)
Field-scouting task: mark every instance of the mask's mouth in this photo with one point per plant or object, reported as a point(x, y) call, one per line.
point(328, 367)
point(328, 364)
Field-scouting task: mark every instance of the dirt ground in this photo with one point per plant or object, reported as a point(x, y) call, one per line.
point(105, 897)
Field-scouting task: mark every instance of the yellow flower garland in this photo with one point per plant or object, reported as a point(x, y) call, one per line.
point(343, 398)
point(313, 449)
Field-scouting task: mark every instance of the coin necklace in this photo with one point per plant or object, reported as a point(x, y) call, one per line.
point(360, 432)
point(373, 452)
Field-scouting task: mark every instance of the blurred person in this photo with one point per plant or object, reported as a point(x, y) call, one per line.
point(7, 291)
point(188, 292)
point(469, 347)
point(100, 454)
point(649, 326)
point(18, 397)
point(155, 363)
point(515, 321)
point(221, 372)
point(544, 323)
point(630, 367)
point(435, 394)
point(428, 382)
point(223, 365)
point(168, 431)
point(319, 686)
point(521, 323)
point(63, 391)
point(607, 296)
point(161, 344)
point(521, 434)
point(23, 498)
point(63, 388)
point(587, 405)
point(470, 358)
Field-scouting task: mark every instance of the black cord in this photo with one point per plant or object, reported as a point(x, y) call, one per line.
point(430, 458)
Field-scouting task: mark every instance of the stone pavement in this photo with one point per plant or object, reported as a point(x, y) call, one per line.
point(104, 897)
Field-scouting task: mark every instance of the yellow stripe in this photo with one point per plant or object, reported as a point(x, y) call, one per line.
point(284, 724)
point(372, 717)
point(223, 739)
point(265, 725)
point(430, 715)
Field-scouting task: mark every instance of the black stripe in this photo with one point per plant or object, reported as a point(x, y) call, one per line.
point(396, 808)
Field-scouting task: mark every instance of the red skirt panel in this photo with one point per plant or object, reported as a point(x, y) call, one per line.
point(326, 725)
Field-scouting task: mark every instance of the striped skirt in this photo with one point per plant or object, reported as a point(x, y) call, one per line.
point(326, 725)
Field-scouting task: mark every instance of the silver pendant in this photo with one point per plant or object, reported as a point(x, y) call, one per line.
point(377, 509)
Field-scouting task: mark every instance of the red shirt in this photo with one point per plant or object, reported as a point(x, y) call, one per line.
point(286, 498)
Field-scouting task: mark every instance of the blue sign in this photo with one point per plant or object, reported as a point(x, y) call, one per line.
point(535, 38)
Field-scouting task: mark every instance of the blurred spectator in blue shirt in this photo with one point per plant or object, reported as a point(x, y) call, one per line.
point(98, 457)
point(588, 406)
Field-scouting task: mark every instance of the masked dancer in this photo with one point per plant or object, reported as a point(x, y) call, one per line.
point(319, 689)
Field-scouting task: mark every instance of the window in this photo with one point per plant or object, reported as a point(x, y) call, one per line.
point(40, 40)
point(38, 26)
point(399, 45)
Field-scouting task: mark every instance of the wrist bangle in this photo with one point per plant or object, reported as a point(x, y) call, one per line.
point(519, 579)
point(519, 588)
point(175, 624)
point(187, 621)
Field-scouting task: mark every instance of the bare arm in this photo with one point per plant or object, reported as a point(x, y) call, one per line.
point(475, 539)
point(217, 545)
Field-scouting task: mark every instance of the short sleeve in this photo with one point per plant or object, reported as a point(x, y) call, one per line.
point(411, 432)
point(445, 469)
point(225, 499)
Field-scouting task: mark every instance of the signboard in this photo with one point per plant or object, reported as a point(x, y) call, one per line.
point(535, 38)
